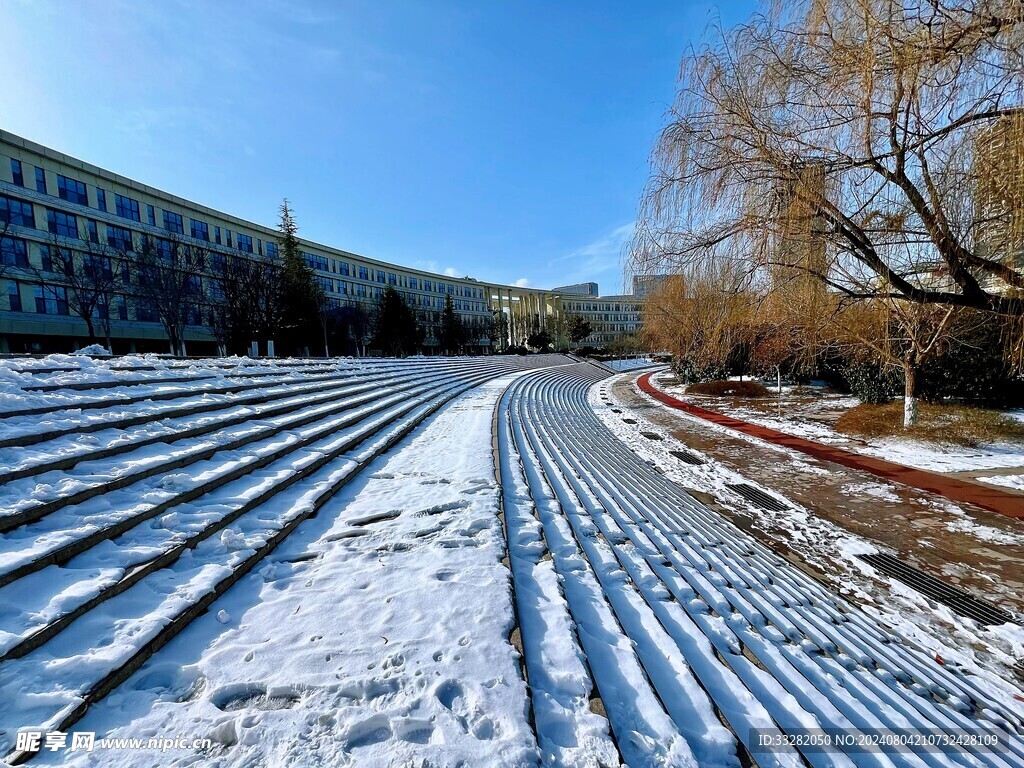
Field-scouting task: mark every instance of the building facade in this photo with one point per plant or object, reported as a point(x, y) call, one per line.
point(49, 200)
point(611, 317)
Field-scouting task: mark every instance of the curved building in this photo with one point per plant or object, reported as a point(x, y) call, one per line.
point(49, 200)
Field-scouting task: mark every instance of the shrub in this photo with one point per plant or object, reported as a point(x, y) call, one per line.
point(722, 388)
point(871, 383)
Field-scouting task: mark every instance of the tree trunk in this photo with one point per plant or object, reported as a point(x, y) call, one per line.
point(90, 329)
point(910, 408)
point(778, 377)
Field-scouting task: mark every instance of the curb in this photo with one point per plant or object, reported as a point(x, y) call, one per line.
point(992, 499)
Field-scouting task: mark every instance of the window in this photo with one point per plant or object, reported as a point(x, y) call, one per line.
point(13, 252)
point(96, 266)
point(63, 224)
point(343, 269)
point(40, 180)
point(94, 235)
point(122, 307)
point(151, 215)
point(173, 222)
point(391, 278)
point(146, 313)
point(259, 246)
point(51, 299)
point(364, 273)
point(314, 261)
point(271, 250)
point(244, 243)
point(380, 276)
point(325, 283)
point(119, 237)
point(227, 236)
point(71, 190)
point(101, 200)
point(126, 207)
point(14, 211)
point(200, 230)
point(13, 296)
point(216, 235)
point(16, 175)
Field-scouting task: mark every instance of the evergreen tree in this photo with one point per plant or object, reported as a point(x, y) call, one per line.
point(452, 333)
point(395, 333)
point(301, 327)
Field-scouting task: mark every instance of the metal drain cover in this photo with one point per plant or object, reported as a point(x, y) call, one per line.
point(960, 601)
point(651, 435)
point(759, 497)
point(688, 457)
point(629, 421)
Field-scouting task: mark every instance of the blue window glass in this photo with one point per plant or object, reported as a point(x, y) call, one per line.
point(16, 175)
point(13, 252)
point(364, 273)
point(244, 243)
point(51, 299)
point(71, 190)
point(343, 269)
point(40, 180)
point(392, 280)
point(259, 246)
point(101, 200)
point(119, 237)
point(13, 296)
point(151, 215)
point(173, 222)
point(14, 211)
point(227, 234)
point(380, 276)
point(126, 208)
point(216, 235)
point(61, 223)
point(94, 235)
point(271, 250)
point(200, 230)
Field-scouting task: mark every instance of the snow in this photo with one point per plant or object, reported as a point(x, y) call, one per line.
point(789, 417)
point(1007, 481)
point(94, 350)
point(376, 634)
point(630, 364)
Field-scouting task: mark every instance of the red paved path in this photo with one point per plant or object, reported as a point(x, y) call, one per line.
point(992, 498)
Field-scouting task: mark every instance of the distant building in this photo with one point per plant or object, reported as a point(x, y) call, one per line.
point(999, 193)
point(577, 289)
point(611, 316)
point(50, 199)
point(645, 285)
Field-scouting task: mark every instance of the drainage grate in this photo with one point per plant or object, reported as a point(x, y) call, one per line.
point(960, 601)
point(688, 457)
point(629, 421)
point(616, 410)
point(759, 497)
point(651, 435)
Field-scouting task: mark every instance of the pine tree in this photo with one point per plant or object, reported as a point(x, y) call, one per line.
point(301, 294)
point(395, 333)
point(452, 331)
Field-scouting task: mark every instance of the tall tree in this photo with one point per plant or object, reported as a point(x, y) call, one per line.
point(452, 332)
point(851, 142)
point(394, 328)
point(300, 321)
point(170, 284)
point(86, 277)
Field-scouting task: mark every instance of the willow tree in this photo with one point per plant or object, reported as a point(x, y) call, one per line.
point(855, 144)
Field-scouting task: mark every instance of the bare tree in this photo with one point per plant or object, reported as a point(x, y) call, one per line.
point(170, 284)
point(86, 275)
point(852, 142)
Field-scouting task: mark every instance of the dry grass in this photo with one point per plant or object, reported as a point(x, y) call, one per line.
point(729, 389)
point(957, 424)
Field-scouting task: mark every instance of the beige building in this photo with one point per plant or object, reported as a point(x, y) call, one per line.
point(48, 199)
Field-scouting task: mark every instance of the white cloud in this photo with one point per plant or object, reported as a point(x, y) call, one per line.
point(522, 282)
point(451, 271)
point(600, 255)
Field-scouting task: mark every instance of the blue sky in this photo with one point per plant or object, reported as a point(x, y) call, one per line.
point(504, 140)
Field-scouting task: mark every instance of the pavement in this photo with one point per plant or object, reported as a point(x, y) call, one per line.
point(965, 544)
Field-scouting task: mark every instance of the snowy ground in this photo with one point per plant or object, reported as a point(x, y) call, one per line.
point(630, 364)
point(376, 635)
point(813, 418)
point(432, 562)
